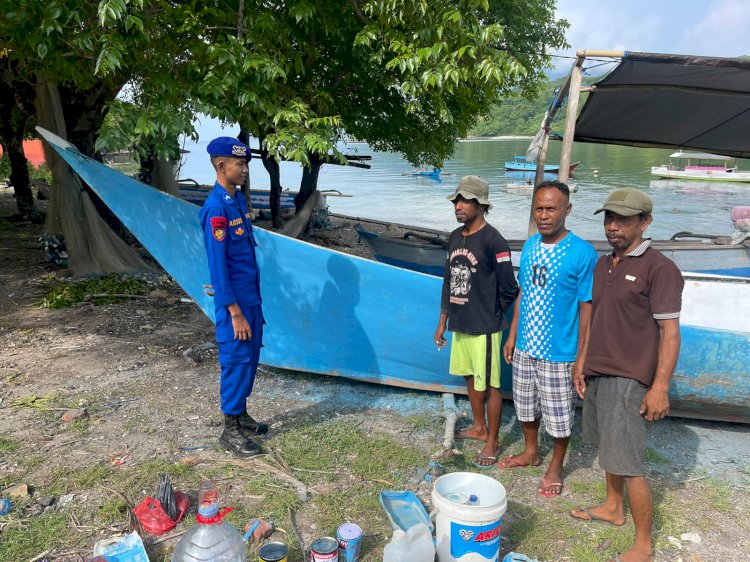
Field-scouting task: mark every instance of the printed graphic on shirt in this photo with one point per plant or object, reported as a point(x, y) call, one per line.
point(462, 265)
point(218, 228)
point(539, 296)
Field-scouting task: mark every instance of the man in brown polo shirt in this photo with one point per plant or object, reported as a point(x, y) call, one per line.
point(634, 341)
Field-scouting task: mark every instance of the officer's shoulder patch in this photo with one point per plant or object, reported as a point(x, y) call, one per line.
point(219, 228)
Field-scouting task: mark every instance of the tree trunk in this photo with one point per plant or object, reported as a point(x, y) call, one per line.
point(162, 177)
point(12, 129)
point(244, 136)
point(274, 175)
point(93, 248)
point(309, 182)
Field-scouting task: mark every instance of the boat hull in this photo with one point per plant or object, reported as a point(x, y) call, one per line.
point(531, 167)
point(695, 257)
point(720, 175)
point(356, 318)
point(259, 199)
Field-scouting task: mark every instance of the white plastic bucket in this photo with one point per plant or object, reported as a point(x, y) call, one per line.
point(463, 532)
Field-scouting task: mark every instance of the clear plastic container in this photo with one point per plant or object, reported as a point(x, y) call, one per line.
point(414, 545)
point(210, 538)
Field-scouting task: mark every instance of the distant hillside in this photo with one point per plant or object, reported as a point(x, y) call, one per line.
point(516, 117)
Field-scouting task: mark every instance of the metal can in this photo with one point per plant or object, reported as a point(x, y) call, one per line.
point(325, 549)
point(350, 540)
point(273, 552)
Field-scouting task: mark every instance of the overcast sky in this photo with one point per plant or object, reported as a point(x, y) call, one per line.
point(694, 27)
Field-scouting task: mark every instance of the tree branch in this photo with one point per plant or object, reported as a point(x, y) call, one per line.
point(359, 13)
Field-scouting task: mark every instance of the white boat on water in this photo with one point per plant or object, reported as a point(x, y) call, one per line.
point(701, 166)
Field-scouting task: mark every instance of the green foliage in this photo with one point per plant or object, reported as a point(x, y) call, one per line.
point(521, 116)
point(61, 294)
point(4, 167)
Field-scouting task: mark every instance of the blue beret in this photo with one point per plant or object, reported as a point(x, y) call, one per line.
point(228, 146)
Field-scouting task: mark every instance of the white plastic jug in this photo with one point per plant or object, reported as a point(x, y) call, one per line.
point(466, 532)
point(414, 545)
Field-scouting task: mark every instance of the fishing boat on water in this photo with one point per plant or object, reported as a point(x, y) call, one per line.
point(379, 336)
point(701, 166)
point(521, 164)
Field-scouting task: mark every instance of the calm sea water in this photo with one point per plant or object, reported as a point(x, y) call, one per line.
point(384, 192)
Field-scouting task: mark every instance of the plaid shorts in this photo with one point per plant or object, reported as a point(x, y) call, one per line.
point(544, 389)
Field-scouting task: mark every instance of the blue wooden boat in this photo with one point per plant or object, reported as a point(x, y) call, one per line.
point(694, 256)
point(379, 319)
point(260, 199)
point(520, 164)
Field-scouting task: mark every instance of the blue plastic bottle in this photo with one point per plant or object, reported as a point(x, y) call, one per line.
point(473, 500)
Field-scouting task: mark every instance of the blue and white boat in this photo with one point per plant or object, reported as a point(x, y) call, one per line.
point(520, 164)
point(359, 319)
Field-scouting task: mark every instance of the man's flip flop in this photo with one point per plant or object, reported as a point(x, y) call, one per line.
point(591, 517)
point(547, 490)
point(510, 462)
point(478, 462)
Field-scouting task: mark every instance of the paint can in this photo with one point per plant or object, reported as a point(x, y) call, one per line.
point(350, 541)
point(273, 552)
point(325, 549)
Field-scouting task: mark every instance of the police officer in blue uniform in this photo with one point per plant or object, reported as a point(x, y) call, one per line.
point(230, 245)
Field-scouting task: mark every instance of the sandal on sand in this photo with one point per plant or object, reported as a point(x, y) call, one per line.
point(510, 462)
point(481, 459)
point(549, 489)
point(591, 517)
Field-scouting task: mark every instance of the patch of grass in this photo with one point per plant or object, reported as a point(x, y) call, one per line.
point(37, 534)
point(718, 493)
point(33, 461)
point(422, 420)
point(138, 421)
point(338, 444)
point(278, 496)
point(8, 445)
point(145, 476)
point(361, 504)
point(80, 426)
point(112, 511)
point(39, 403)
point(62, 294)
point(592, 490)
point(654, 457)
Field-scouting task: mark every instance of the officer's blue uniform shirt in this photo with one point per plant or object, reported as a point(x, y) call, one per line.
point(230, 246)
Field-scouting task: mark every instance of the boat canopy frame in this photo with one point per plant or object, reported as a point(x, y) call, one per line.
point(653, 100)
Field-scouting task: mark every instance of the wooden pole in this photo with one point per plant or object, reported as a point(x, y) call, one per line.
point(570, 123)
point(538, 177)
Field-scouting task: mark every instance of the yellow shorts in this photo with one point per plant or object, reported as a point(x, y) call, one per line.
point(475, 355)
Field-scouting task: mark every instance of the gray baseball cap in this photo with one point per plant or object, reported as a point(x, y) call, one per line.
point(627, 202)
point(473, 187)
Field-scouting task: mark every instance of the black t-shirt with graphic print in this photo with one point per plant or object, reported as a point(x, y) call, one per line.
point(478, 282)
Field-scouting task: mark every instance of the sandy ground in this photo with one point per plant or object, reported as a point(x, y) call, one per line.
point(153, 403)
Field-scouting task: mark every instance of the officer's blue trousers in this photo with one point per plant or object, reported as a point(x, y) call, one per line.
point(239, 363)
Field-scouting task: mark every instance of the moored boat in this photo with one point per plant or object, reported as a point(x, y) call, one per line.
point(372, 333)
point(696, 253)
point(520, 164)
point(701, 166)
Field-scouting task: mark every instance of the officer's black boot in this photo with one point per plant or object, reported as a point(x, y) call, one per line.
point(233, 439)
point(250, 427)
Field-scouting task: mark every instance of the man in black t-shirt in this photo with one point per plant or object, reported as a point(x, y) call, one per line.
point(478, 287)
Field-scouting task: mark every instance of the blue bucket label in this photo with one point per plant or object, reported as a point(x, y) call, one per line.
point(483, 540)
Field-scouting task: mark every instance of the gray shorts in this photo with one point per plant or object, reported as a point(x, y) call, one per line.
point(612, 418)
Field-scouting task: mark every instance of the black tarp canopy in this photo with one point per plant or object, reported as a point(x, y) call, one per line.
point(671, 101)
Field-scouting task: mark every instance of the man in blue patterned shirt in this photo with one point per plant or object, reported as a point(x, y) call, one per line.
point(548, 331)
